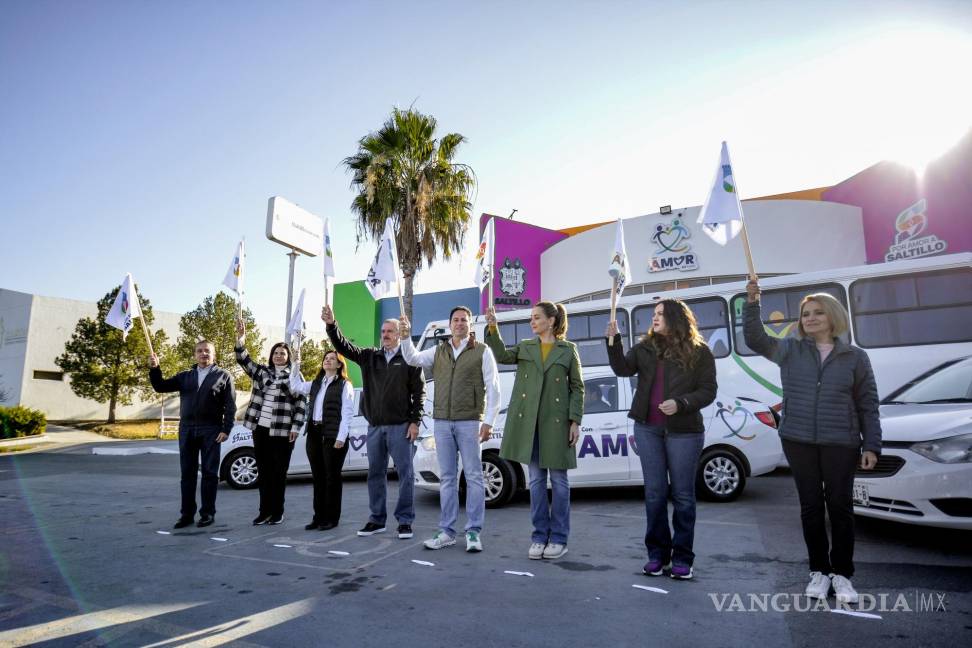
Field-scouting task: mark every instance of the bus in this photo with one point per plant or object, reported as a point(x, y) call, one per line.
point(910, 316)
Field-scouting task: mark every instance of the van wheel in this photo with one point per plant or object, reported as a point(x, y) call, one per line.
point(240, 469)
point(499, 481)
point(722, 476)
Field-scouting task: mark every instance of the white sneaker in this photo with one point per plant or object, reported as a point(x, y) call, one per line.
point(554, 550)
point(473, 543)
point(439, 540)
point(843, 589)
point(819, 586)
point(536, 551)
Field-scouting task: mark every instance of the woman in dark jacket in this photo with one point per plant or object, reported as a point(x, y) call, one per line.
point(275, 416)
point(830, 410)
point(676, 379)
point(331, 409)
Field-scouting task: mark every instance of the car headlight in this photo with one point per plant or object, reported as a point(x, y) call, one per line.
point(950, 450)
point(428, 444)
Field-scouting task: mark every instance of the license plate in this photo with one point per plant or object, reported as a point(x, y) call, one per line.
point(861, 497)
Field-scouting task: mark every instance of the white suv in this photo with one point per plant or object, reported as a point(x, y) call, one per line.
point(740, 441)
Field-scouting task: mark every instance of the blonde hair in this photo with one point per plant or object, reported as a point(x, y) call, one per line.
point(835, 311)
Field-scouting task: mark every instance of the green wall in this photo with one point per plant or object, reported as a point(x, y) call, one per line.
point(356, 313)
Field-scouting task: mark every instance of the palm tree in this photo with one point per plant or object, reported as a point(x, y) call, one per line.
point(402, 172)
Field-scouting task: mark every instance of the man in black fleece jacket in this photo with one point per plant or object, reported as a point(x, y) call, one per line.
point(207, 407)
point(394, 394)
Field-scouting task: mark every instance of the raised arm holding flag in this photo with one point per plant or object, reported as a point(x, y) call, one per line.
point(722, 215)
point(618, 269)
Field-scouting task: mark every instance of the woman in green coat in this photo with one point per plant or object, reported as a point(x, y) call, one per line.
point(543, 419)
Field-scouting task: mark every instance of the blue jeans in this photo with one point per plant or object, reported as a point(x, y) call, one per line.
point(668, 459)
point(196, 441)
point(384, 440)
point(462, 438)
point(551, 520)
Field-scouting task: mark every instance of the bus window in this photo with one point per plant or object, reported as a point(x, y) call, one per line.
point(513, 333)
point(781, 312)
point(712, 318)
point(925, 308)
point(586, 330)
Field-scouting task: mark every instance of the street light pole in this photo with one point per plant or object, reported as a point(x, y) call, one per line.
point(290, 291)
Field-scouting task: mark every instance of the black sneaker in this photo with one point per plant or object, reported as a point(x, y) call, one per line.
point(326, 526)
point(182, 523)
point(311, 526)
point(404, 531)
point(276, 519)
point(371, 529)
point(205, 521)
point(263, 518)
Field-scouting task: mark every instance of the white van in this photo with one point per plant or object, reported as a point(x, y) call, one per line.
point(908, 315)
point(237, 461)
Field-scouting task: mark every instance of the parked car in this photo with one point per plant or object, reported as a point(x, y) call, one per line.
point(740, 442)
point(924, 474)
point(237, 463)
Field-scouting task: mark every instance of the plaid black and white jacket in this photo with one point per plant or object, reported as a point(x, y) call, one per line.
point(289, 408)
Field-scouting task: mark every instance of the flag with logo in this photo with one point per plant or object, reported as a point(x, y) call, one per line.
point(618, 269)
point(383, 275)
point(328, 253)
point(125, 309)
point(721, 215)
point(234, 276)
point(295, 326)
point(484, 257)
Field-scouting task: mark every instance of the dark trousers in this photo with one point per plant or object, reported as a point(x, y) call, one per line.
point(196, 440)
point(273, 460)
point(326, 463)
point(669, 464)
point(824, 477)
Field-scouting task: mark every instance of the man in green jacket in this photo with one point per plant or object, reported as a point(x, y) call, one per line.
point(466, 401)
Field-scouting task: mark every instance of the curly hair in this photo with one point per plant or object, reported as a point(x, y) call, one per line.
point(682, 340)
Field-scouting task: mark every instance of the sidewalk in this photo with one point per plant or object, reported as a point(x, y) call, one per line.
point(55, 438)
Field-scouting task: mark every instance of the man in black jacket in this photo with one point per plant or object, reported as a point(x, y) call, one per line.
point(394, 394)
point(206, 412)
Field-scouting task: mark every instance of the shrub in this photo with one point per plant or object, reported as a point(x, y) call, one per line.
point(19, 421)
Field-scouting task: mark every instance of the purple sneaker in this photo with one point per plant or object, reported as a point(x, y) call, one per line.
point(681, 572)
point(654, 568)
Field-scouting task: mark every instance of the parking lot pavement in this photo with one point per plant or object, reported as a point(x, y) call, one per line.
point(89, 558)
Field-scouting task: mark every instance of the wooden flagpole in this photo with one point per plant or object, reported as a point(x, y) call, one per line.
point(749, 252)
point(614, 304)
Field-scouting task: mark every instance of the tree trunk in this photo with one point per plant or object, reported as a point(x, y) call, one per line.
point(408, 292)
point(111, 407)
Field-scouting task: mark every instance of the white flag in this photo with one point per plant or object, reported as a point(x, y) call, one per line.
point(296, 324)
point(721, 215)
point(619, 259)
point(383, 275)
point(234, 276)
point(125, 309)
point(484, 257)
point(328, 255)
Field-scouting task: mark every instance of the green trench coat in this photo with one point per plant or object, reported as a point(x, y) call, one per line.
point(546, 397)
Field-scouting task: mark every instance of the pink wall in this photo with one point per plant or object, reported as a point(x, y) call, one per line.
point(897, 224)
point(521, 245)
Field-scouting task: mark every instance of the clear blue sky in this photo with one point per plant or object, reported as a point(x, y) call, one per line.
point(146, 137)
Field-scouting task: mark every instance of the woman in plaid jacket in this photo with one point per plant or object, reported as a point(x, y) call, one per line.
point(275, 416)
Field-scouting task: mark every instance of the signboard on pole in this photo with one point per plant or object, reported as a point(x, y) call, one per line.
point(294, 227)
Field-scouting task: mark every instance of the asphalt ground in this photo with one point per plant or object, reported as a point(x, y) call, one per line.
point(88, 558)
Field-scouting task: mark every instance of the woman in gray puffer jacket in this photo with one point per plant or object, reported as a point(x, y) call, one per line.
point(830, 414)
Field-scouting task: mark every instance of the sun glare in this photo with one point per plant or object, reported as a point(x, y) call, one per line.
point(925, 104)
